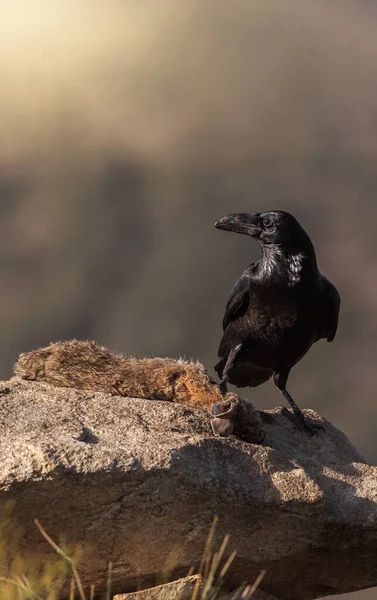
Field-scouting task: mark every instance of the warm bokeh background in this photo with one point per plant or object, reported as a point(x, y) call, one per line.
point(128, 127)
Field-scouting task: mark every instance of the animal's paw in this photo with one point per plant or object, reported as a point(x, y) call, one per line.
point(238, 416)
point(227, 408)
point(222, 427)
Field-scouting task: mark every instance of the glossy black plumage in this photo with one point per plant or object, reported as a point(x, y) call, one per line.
point(279, 307)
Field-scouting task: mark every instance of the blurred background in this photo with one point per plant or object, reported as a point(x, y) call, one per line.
point(129, 127)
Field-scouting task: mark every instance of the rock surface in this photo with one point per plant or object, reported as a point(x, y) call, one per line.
point(138, 482)
point(182, 589)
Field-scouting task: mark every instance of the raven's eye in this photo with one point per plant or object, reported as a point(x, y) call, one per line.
point(267, 222)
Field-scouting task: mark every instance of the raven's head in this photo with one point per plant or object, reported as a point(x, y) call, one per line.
point(275, 227)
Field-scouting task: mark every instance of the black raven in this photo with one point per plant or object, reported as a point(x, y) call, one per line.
point(279, 307)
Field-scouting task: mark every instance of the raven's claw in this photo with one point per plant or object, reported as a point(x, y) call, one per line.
point(300, 422)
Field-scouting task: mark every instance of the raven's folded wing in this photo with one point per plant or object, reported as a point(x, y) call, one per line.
point(238, 302)
point(330, 310)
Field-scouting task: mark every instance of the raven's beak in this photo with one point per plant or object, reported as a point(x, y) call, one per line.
point(246, 223)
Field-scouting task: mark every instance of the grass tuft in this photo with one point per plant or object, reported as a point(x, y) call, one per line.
point(50, 580)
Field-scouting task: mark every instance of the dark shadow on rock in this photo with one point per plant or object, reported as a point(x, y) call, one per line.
point(87, 436)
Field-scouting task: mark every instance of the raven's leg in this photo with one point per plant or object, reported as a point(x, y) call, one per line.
point(280, 380)
point(228, 366)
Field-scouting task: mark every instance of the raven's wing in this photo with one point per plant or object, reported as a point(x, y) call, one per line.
point(244, 298)
point(330, 310)
point(238, 302)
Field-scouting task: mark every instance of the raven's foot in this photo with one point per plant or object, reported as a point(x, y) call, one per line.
point(300, 422)
point(237, 416)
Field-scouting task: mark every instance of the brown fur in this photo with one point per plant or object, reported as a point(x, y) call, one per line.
point(88, 366)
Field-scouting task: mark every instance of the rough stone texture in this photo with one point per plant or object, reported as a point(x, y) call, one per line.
point(138, 483)
point(182, 589)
